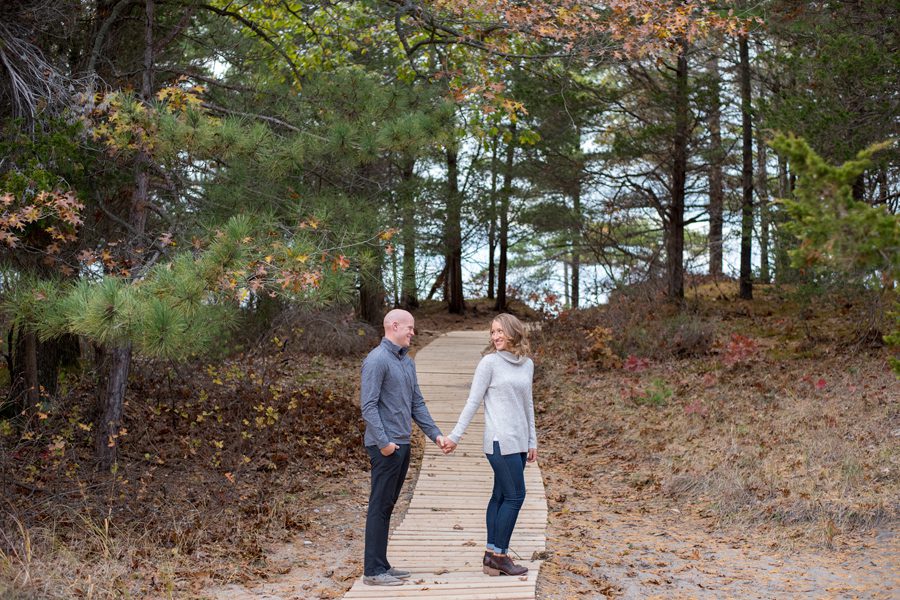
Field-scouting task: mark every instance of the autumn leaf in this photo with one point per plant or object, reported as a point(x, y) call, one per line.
point(341, 263)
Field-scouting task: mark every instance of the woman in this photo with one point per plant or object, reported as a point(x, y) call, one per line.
point(503, 382)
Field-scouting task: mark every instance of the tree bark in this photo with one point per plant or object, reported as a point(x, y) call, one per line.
point(371, 292)
point(115, 364)
point(882, 186)
point(438, 283)
point(32, 385)
point(859, 188)
point(19, 393)
point(716, 189)
point(409, 295)
point(576, 247)
point(762, 194)
point(492, 225)
point(503, 209)
point(117, 359)
point(782, 261)
point(453, 235)
point(746, 273)
point(675, 230)
point(33, 366)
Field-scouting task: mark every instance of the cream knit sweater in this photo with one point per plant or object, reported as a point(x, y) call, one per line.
point(503, 382)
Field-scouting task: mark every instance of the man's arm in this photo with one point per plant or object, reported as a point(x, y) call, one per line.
point(421, 415)
point(369, 396)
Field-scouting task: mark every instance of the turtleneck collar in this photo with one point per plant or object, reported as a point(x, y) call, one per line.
point(512, 358)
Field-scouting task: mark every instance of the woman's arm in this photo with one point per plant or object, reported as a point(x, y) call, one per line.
point(480, 382)
point(529, 411)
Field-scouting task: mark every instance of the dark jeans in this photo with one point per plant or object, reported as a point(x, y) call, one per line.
point(388, 473)
point(507, 497)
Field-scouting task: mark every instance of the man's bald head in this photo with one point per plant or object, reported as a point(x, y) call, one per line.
point(399, 327)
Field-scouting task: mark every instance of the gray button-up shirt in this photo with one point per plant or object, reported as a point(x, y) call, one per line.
point(390, 397)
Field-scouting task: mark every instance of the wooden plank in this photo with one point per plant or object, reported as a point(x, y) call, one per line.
point(441, 537)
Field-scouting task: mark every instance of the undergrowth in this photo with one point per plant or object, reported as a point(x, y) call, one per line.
point(217, 461)
point(776, 412)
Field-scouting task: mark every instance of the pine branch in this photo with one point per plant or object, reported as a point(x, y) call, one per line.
point(266, 118)
point(258, 31)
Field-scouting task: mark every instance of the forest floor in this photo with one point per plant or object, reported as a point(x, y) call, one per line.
point(745, 499)
point(752, 453)
point(755, 458)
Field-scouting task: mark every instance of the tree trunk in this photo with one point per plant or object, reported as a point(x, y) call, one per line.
point(438, 283)
point(32, 389)
point(23, 373)
point(716, 189)
point(115, 363)
point(266, 311)
point(882, 186)
point(675, 230)
point(859, 188)
point(762, 194)
point(503, 210)
point(409, 295)
point(395, 281)
point(576, 248)
point(371, 292)
point(492, 225)
point(117, 360)
point(746, 273)
point(782, 260)
point(33, 366)
point(453, 236)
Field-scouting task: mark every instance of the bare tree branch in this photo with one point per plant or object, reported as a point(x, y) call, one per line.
point(258, 31)
point(102, 32)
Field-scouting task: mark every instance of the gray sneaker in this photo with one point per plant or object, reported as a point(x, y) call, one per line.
point(382, 579)
point(399, 573)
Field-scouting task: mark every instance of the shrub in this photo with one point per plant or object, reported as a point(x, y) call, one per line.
point(600, 349)
point(657, 394)
point(333, 332)
point(630, 325)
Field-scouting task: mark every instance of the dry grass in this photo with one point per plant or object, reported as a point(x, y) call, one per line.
point(806, 446)
point(784, 452)
point(90, 560)
point(211, 482)
point(754, 443)
point(219, 463)
point(673, 476)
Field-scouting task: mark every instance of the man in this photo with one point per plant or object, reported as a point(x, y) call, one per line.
point(390, 399)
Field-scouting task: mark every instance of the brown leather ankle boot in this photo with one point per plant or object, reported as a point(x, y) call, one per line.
point(503, 565)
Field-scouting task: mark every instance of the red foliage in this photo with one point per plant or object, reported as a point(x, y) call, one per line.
point(45, 221)
point(635, 364)
point(740, 349)
point(696, 407)
point(626, 27)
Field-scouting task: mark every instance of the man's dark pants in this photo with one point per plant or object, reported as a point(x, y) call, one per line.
point(388, 473)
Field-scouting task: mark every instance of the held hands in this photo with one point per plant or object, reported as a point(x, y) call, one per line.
point(445, 444)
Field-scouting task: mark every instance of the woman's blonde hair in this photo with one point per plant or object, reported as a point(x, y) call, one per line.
point(516, 335)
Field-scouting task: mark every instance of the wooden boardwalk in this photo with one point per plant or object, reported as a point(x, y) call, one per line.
point(441, 538)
